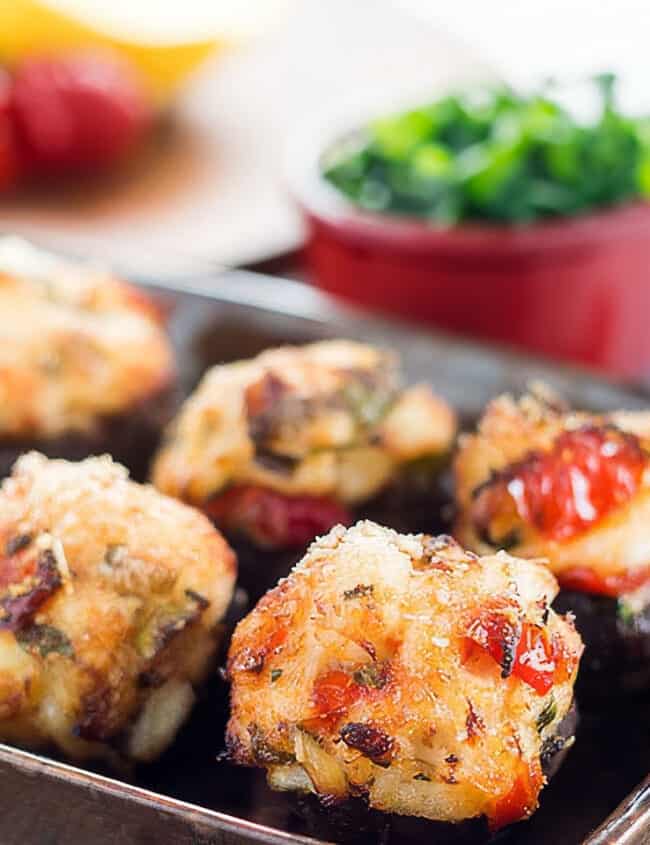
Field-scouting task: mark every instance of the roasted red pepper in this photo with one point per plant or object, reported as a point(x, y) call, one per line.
point(535, 659)
point(587, 473)
point(273, 519)
point(520, 801)
point(565, 658)
point(333, 694)
point(253, 659)
point(27, 583)
point(586, 580)
point(521, 648)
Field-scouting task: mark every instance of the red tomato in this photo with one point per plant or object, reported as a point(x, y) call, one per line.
point(273, 519)
point(10, 163)
point(77, 112)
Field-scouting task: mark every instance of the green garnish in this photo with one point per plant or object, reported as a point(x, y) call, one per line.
point(44, 640)
point(367, 403)
point(275, 674)
point(358, 591)
point(370, 675)
point(421, 776)
point(547, 715)
point(496, 155)
point(625, 612)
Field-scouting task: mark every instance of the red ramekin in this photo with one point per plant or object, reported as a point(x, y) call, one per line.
point(570, 288)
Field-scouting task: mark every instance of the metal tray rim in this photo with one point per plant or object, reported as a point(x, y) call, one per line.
point(629, 821)
point(37, 764)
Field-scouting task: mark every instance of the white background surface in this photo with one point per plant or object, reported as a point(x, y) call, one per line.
point(223, 196)
point(526, 39)
point(523, 35)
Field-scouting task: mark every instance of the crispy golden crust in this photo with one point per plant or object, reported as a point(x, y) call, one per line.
point(509, 431)
point(77, 345)
point(327, 419)
point(353, 677)
point(109, 597)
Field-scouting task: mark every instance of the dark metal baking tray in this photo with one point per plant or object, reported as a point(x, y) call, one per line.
point(191, 797)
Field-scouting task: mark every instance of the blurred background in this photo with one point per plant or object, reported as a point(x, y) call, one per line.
point(232, 99)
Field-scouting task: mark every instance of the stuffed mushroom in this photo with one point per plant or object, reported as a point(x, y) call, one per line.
point(281, 447)
point(406, 671)
point(573, 488)
point(110, 595)
point(85, 365)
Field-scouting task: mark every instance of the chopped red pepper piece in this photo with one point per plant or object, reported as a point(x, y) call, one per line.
point(273, 519)
point(496, 629)
point(26, 583)
point(587, 473)
point(521, 648)
point(333, 694)
point(520, 801)
point(253, 659)
point(263, 394)
point(566, 659)
point(586, 580)
point(535, 661)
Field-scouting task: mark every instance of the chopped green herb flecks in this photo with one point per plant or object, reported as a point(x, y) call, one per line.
point(547, 715)
point(497, 155)
point(421, 776)
point(44, 640)
point(358, 591)
point(625, 613)
point(366, 402)
point(275, 674)
point(371, 675)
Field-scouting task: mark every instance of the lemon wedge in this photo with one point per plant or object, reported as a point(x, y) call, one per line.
point(30, 27)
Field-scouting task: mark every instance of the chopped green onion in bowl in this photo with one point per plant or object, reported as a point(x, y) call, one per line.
point(495, 155)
